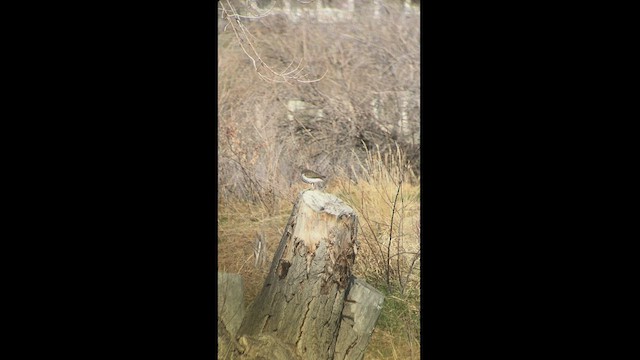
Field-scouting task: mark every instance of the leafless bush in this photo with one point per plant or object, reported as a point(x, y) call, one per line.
point(369, 94)
point(246, 41)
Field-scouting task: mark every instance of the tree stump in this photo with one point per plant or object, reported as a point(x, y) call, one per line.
point(359, 316)
point(302, 301)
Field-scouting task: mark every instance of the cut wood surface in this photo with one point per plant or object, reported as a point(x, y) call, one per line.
point(302, 300)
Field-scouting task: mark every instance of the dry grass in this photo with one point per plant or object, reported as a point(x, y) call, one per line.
point(388, 257)
point(370, 156)
point(238, 224)
point(387, 199)
point(386, 190)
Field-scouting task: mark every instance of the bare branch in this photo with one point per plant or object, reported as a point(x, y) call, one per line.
point(244, 36)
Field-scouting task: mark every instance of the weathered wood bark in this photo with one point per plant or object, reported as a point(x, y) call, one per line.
point(359, 316)
point(302, 300)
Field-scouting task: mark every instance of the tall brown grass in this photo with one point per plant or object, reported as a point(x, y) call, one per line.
point(386, 197)
point(372, 164)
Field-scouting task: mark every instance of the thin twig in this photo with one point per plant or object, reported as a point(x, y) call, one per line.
point(393, 211)
point(244, 36)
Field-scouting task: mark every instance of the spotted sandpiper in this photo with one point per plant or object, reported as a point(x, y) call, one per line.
point(312, 177)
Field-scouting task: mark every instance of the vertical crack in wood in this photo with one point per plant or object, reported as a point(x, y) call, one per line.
point(337, 308)
point(351, 346)
point(300, 330)
point(265, 323)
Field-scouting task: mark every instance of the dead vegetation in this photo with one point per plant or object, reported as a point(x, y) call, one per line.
point(359, 125)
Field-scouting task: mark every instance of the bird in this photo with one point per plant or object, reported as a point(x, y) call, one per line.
point(312, 177)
